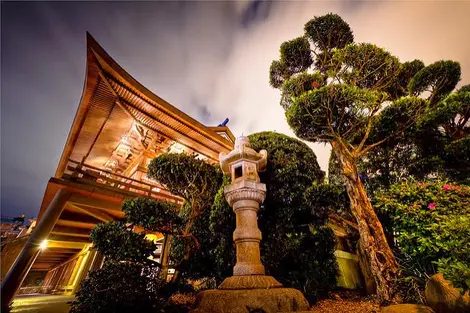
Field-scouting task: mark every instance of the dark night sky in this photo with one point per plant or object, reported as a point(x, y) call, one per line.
point(209, 59)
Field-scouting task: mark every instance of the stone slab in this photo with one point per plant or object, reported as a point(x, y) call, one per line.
point(251, 300)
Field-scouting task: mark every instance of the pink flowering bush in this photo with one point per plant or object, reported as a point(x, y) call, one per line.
point(431, 224)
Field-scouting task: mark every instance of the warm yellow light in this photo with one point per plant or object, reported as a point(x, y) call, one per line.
point(151, 237)
point(43, 245)
point(125, 140)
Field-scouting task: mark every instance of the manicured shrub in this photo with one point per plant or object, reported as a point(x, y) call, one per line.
point(120, 287)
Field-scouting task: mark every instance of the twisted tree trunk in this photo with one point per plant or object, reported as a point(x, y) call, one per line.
point(380, 258)
point(165, 257)
point(188, 238)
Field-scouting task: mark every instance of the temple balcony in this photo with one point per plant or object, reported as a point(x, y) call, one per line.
point(94, 176)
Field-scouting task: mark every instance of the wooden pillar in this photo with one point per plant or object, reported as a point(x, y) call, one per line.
point(84, 269)
point(97, 261)
point(75, 270)
point(25, 260)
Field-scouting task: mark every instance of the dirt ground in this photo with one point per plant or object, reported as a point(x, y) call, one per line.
point(346, 302)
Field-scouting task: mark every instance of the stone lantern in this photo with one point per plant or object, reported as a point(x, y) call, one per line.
point(245, 194)
point(249, 289)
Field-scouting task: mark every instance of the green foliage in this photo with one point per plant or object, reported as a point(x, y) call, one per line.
point(222, 224)
point(371, 100)
point(382, 118)
point(277, 74)
point(287, 157)
point(296, 55)
point(307, 263)
point(407, 71)
point(444, 134)
point(197, 182)
point(365, 66)
point(120, 287)
point(160, 216)
point(394, 118)
point(311, 114)
point(465, 88)
point(456, 271)
point(328, 32)
point(183, 175)
point(432, 225)
point(389, 164)
point(201, 263)
point(456, 104)
point(438, 145)
point(296, 248)
point(116, 242)
point(328, 198)
point(298, 85)
point(439, 78)
point(334, 170)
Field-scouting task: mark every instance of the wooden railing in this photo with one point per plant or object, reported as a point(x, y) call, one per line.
point(86, 173)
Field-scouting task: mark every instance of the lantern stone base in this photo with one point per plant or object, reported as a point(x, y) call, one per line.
point(250, 282)
point(250, 300)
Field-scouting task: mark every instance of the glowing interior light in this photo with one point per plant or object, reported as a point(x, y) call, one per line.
point(151, 237)
point(125, 140)
point(111, 164)
point(156, 189)
point(176, 148)
point(43, 245)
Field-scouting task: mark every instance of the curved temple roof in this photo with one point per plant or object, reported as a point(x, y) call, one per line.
point(113, 101)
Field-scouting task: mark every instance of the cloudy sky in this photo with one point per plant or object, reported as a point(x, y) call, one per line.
point(209, 59)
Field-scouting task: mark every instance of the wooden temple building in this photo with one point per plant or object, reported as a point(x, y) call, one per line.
point(119, 127)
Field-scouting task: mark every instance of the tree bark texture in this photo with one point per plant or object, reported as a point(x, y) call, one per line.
point(165, 257)
point(377, 252)
point(369, 281)
point(195, 213)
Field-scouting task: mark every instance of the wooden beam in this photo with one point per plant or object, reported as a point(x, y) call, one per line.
point(75, 224)
point(82, 200)
point(92, 212)
point(42, 267)
point(51, 259)
point(70, 231)
point(66, 244)
point(55, 255)
point(49, 251)
point(133, 164)
point(60, 250)
point(67, 237)
point(58, 233)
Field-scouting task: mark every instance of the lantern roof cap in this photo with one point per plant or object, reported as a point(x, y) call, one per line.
point(243, 152)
